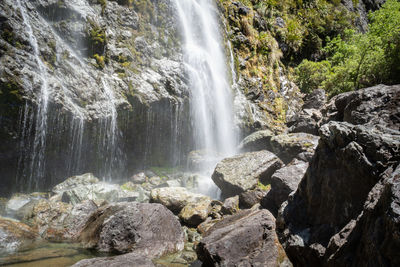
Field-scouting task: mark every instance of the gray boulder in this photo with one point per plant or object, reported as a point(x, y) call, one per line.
point(77, 218)
point(244, 172)
point(315, 100)
point(20, 206)
point(373, 237)
point(306, 121)
point(75, 181)
point(257, 141)
point(230, 206)
point(139, 178)
point(283, 182)
point(289, 146)
point(175, 198)
point(149, 230)
point(87, 187)
point(285, 146)
point(250, 198)
point(48, 218)
point(195, 213)
point(129, 259)
point(377, 105)
point(247, 238)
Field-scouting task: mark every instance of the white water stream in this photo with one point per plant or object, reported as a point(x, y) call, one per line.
point(211, 94)
point(39, 144)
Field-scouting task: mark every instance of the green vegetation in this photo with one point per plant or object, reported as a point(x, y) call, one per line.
point(272, 37)
point(100, 61)
point(263, 186)
point(356, 60)
point(97, 42)
point(97, 38)
point(103, 4)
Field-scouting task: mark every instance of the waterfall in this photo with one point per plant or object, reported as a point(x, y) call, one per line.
point(37, 162)
point(211, 97)
point(204, 59)
point(109, 134)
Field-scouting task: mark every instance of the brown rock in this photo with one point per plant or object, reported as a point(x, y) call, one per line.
point(247, 238)
point(149, 230)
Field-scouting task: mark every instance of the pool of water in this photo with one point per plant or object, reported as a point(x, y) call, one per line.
point(48, 254)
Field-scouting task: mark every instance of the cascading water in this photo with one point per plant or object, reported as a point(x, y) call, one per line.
point(109, 133)
point(53, 140)
point(211, 98)
point(37, 162)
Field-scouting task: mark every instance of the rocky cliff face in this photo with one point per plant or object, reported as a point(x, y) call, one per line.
point(345, 207)
point(112, 75)
point(100, 86)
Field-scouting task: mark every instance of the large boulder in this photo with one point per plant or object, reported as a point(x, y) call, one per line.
point(285, 146)
point(289, 146)
point(283, 182)
point(257, 141)
point(77, 218)
point(308, 119)
point(87, 187)
point(75, 181)
point(348, 163)
point(19, 205)
point(48, 219)
point(58, 221)
point(15, 235)
point(230, 205)
point(195, 213)
point(377, 105)
point(175, 198)
point(315, 100)
point(374, 236)
point(148, 230)
point(99, 192)
point(250, 198)
point(129, 259)
point(244, 172)
point(247, 238)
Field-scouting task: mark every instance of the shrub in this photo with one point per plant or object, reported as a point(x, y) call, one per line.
point(356, 60)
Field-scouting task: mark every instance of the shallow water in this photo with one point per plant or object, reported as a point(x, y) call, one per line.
point(48, 254)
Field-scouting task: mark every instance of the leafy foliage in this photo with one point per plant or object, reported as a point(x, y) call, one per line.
point(357, 60)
